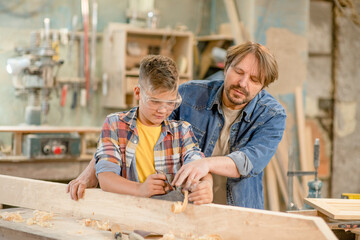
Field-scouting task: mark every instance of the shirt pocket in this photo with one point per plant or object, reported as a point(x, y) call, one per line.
point(199, 134)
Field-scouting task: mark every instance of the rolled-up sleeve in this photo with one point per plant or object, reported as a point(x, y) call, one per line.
point(254, 157)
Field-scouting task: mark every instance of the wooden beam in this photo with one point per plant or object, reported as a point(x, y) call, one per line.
point(236, 27)
point(155, 215)
point(300, 121)
point(272, 188)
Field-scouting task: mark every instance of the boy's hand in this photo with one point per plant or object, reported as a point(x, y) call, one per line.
point(202, 192)
point(86, 179)
point(153, 185)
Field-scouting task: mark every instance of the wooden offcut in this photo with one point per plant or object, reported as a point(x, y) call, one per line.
point(345, 209)
point(155, 215)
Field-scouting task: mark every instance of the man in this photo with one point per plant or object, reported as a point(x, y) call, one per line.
point(237, 123)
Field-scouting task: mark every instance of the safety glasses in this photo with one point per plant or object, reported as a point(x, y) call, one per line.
point(156, 104)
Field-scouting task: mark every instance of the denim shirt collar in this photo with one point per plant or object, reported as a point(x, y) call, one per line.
point(130, 118)
point(216, 99)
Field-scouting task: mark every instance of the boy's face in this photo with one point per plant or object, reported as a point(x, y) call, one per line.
point(155, 107)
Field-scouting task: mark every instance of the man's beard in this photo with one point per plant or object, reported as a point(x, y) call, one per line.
point(236, 101)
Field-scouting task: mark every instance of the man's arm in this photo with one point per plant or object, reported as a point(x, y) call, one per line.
point(247, 161)
point(195, 170)
point(86, 179)
point(153, 185)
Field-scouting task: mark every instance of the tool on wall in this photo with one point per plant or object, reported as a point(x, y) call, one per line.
point(314, 186)
point(93, 85)
point(85, 16)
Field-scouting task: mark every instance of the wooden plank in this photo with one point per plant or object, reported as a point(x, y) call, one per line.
point(155, 215)
point(283, 159)
point(272, 188)
point(345, 209)
point(48, 129)
point(300, 120)
point(281, 179)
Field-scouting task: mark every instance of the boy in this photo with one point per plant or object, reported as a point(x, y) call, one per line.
point(135, 145)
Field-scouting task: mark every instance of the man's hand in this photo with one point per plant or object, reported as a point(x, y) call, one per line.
point(153, 185)
point(202, 192)
point(86, 179)
point(191, 172)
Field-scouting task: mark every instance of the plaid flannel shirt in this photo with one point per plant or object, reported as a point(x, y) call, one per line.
point(119, 138)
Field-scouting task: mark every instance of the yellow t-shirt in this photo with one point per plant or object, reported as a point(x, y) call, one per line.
point(145, 163)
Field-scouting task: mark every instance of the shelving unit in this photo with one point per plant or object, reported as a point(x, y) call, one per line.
point(123, 48)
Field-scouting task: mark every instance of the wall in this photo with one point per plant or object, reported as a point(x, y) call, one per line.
point(18, 19)
point(346, 177)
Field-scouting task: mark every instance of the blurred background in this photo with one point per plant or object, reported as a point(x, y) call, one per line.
point(65, 65)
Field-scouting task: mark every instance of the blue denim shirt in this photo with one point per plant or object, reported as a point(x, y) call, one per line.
point(254, 136)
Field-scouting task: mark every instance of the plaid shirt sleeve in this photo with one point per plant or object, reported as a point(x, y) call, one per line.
point(108, 156)
point(190, 150)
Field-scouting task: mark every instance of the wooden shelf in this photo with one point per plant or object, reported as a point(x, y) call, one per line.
point(135, 73)
point(125, 46)
point(214, 38)
point(48, 129)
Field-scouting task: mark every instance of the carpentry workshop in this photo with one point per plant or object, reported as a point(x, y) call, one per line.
point(179, 119)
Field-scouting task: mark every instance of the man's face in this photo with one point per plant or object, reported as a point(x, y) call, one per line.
point(242, 83)
point(155, 107)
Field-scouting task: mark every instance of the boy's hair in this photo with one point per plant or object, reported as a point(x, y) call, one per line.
point(268, 68)
point(158, 72)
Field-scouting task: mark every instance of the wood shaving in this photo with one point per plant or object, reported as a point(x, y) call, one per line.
point(12, 217)
point(41, 218)
point(179, 207)
point(100, 225)
point(168, 236)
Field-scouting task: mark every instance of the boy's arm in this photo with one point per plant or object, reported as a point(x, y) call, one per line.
point(153, 185)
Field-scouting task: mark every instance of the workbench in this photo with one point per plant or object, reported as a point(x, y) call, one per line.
point(45, 168)
point(340, 233)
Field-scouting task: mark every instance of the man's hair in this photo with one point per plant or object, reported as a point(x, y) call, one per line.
point(268, 68)
point(158, 72)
